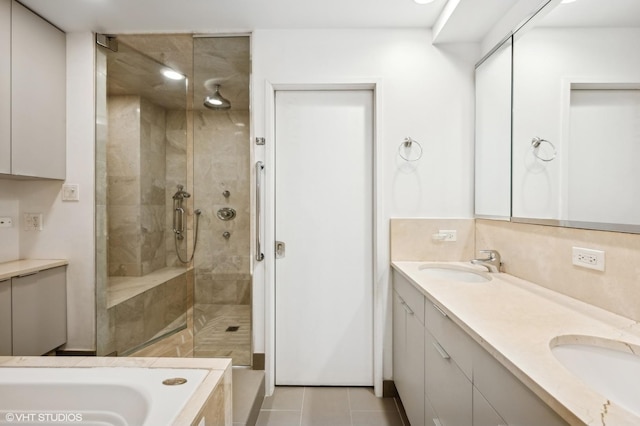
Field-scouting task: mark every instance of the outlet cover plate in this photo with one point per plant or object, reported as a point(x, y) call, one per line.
point(588, 258)
point(6, 222)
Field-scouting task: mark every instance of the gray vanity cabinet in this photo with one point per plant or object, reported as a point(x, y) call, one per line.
point(448, 370)
point(33, 72)
point(5, 87)
point(445, 378)
point(5, 317)
point(515, 402)
point(408, 348)
point(39, 311)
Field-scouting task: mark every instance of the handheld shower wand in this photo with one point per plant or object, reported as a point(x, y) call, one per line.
point(179, 222)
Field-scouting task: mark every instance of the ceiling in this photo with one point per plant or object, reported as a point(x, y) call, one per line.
point(215, 16)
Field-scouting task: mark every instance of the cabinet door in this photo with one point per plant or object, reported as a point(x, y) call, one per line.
point(5, 86)
point(38, 97)
point(5, 317)
point(483, 413)
point(408, 360)
point(515, 403)
point(39, 312)
point(448, 389)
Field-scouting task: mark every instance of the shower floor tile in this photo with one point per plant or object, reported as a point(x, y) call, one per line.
point(212, 339)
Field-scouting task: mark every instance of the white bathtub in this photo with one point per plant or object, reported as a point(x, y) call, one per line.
point(94, 396)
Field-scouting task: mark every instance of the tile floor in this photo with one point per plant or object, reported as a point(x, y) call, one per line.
point(329, 406)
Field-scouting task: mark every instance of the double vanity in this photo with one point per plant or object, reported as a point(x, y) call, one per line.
point(479, 348)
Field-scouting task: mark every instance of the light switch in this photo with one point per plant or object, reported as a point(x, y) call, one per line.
point(71, 192)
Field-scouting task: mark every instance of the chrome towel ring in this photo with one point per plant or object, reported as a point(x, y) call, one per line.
point(405, 150)
point(535, 145)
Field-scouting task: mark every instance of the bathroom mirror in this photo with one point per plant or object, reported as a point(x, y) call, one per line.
point(576, 115)
point(493, 134)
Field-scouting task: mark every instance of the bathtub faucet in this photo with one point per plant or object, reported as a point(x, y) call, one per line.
point(492, 262)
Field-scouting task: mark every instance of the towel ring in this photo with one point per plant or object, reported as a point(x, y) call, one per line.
point(404, 149)
point(535, 144)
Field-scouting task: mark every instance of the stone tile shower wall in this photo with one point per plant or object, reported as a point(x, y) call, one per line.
point(222, 294)
point(136, 196)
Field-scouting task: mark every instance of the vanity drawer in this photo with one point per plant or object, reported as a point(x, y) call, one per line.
point(410, 295)
point(450, 336)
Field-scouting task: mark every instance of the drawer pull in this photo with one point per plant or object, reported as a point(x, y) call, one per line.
point(443, 313)
point(441, 350)
point(407, 308)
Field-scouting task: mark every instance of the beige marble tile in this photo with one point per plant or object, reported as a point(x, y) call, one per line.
point(542, 254)
point(412, 239)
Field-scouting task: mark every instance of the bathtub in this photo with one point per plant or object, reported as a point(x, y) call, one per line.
point(116, 396)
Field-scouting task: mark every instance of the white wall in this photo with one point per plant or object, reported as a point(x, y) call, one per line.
point(68, 227)
point(427, 94)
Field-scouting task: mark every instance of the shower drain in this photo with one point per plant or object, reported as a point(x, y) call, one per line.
point(233, 328)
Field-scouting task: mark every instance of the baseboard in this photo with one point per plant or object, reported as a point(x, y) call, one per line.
point(62, 352)
point(258, 361)
point(389, 389)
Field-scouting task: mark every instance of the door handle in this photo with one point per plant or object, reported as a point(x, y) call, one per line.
point(280, 249)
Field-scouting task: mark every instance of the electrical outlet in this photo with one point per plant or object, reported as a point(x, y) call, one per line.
point(588, 258)
point(33, 221)
point(6, 222)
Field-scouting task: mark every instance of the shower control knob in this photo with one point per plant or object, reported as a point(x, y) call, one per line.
point(226, 213)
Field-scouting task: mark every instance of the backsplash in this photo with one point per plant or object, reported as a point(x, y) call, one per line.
point(542, 255)
point(412, 239)
point(539, 254)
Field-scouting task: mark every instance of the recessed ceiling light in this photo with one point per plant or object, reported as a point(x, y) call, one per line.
point(423, 1)
point(171, 74)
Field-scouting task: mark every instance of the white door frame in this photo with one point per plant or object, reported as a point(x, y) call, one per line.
point(380, 228)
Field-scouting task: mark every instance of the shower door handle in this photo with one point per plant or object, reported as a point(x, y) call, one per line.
point(259, 169)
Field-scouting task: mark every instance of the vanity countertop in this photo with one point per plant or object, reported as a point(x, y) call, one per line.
point(517, 321)
point(28, 266)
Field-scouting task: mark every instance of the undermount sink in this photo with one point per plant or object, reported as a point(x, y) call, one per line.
point(454, 273)
point(612, 372)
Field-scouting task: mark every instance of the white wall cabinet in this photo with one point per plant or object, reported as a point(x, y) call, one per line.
point(5, 317)
point(33, 101)
point(5, 86)
point(462, 384)
point(38, 312)
point(408, 348)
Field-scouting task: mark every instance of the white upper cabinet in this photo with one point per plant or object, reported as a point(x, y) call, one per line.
point(5, 87)
point(37, 95)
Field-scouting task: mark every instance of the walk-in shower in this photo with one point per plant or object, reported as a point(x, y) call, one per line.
point(173, 221)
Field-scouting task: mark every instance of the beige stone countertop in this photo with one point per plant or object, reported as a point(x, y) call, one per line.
point(219, 374)
point(518, 322)
point(28, 266)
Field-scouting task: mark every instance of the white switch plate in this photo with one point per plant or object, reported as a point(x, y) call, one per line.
point(33, 221)
point(588, 258)
point(6, 222)
point(448, 234)
point(70, 192)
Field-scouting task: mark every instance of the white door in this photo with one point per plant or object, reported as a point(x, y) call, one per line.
point(324, 215)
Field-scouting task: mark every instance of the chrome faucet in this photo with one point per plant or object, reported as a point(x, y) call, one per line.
point(492, 262)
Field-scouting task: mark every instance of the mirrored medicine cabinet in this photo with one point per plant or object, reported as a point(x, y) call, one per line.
point(558, 119)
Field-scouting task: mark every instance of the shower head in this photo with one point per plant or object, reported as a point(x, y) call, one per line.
point(217, 101)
